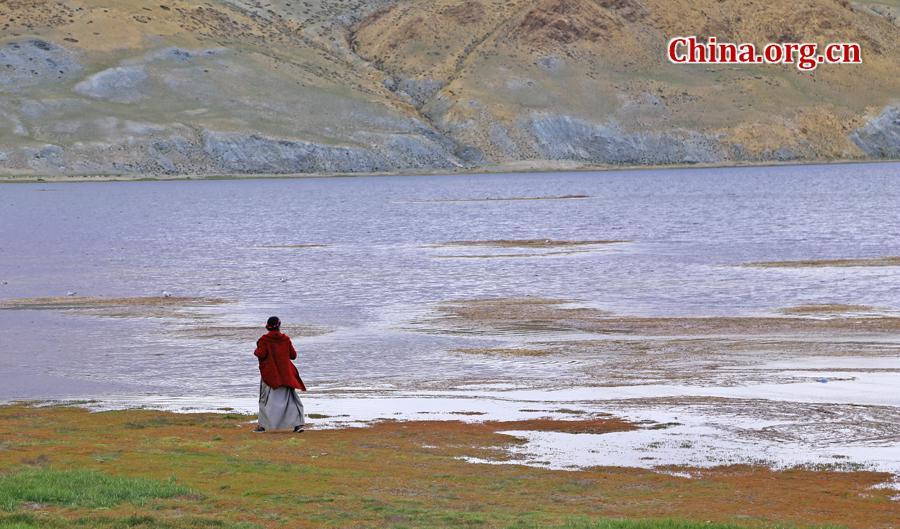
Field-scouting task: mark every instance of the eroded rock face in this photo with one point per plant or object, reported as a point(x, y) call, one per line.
point(251, 153)
point(880, 137)
point(566, 138)
point(33, 62)
point(148, 149)
point(162, 151)
point(418, 91)
point(181, 55)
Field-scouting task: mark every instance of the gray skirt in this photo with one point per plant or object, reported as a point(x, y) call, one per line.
point(279, 409)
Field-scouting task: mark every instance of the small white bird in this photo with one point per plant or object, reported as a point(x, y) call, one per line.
point(166, 294)
point(71, 293)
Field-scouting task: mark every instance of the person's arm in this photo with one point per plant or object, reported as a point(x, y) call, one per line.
point(293, 351)
point(261, 351)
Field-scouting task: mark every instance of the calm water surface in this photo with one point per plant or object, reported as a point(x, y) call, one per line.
point(690, 229)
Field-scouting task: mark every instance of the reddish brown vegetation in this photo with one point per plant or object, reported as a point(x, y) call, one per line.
point(413, 467)
point(468, 12)
point(562, 21)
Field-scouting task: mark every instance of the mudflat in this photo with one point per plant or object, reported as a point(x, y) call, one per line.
point(825, 263)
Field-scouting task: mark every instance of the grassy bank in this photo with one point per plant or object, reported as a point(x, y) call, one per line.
point(65, 467)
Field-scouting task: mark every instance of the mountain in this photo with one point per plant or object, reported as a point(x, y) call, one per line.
point(95, 87)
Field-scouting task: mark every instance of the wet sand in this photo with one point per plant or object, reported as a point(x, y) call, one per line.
point(86, 302)
point(131, 307)
point(243, 333)
point(539, 247)
point(808, 388)
point(485, 316)
point(524, 243)
point(503, 199)
point(827, 263)
point(510, 255)
point(826, 309)
point(501, 351)
point(291, 246)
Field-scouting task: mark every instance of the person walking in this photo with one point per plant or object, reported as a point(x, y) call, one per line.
point(279, 404)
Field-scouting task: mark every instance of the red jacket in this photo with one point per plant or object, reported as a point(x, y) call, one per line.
point(275, 352)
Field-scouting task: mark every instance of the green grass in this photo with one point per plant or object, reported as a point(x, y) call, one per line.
point(388, 476)
point(579, 523)
point(29, 521)
point(81, 488)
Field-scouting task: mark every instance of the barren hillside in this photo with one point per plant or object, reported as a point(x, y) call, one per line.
point(318, 86)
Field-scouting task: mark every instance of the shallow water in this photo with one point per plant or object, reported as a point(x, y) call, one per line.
point(381, 267)
point(206, 238)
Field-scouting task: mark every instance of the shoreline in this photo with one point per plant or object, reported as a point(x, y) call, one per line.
point(674, 425)
point(812, 388)
point(421, 474)
point(512, 168)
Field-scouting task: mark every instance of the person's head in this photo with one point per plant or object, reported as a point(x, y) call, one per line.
point(273, 323)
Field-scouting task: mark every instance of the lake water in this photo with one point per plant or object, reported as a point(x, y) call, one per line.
point(375, 272)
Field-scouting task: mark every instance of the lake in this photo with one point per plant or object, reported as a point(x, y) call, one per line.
point(354, 265)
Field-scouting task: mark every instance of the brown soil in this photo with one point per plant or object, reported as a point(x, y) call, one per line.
point(595, 426)
point(439, 428)
point(564, 21)
point(467, 12)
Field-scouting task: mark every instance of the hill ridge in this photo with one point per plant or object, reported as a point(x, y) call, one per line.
point(237, 86)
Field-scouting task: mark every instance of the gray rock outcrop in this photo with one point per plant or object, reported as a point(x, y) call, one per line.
point(120, 84)
point(559, 137)
point(880, 137)
point(236, 152)
point(417, 91)
point(34, 62)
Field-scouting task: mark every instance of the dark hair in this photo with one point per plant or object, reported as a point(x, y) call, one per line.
point(273, 323)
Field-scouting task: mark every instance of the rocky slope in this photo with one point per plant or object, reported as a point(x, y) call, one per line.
point(346, 86)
